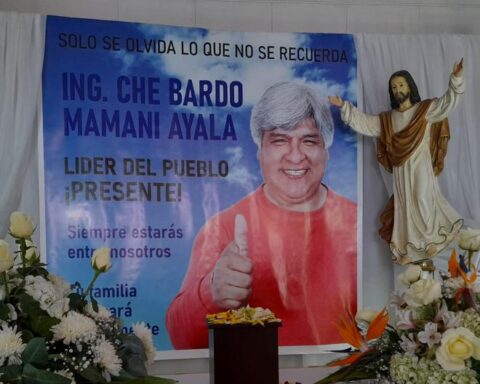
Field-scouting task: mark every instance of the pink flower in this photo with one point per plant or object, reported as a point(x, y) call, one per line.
point(430, 335)
point(405, 320)
point(396, 299)
point(408, 345)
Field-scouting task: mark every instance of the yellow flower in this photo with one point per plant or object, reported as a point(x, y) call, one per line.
point(6, 259)
point(101, 259)
point(457, 345)
point(469, 239)
point(21, 225)
point(423, 292)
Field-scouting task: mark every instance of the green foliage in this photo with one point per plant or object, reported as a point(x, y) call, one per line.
point(133, 355)
point(476, 367)
point(348, 374)
point(30, 307)
point(94, 303)
point(11, 373)
point(36, 352)
point(4, 311)
point(131, 344)
point(76, 301)
point(92, 375)
point(42, 325)
point(32, 375)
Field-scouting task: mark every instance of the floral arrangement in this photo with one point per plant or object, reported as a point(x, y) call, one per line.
point(243, 315)
point(435, 337)
point(51, 333)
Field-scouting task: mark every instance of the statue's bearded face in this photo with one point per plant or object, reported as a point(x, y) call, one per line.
point(400, 89)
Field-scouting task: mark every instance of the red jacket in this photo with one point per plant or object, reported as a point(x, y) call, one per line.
point(304, 270)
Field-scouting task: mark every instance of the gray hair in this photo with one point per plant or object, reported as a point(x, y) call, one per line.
point(284, 105)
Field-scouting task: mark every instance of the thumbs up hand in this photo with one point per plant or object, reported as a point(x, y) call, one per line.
point(232, 274)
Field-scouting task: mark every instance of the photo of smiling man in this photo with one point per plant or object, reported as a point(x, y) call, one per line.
point(290, 246)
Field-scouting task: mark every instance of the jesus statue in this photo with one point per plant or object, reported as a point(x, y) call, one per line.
point(418, 221)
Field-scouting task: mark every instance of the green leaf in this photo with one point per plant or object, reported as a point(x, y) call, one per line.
point(27, 335)
point(132, 353)
point(92, 375)
point(32, 375)
point(76, 301)
point(11, 372)
point(123, 376)
point(94, 302)
point(348, 374)
point(43, 324)
point(135, 366)
point(131, 344)
point(476, 366)
point(4, 311)
point(29, 305)
point(36, 352)
point(34, 270)
point(355, 371)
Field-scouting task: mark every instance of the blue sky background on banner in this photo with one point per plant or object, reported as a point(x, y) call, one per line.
point(142, 287)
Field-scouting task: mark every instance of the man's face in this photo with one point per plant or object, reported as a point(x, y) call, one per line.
point(400, 89)
point(293, 164)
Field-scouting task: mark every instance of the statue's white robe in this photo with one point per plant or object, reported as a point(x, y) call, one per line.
point(423, 218)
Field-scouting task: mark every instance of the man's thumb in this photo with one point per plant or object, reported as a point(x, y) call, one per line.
point(240, 233)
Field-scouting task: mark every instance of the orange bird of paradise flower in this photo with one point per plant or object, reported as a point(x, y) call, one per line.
point(456, 270)
point(350, 333)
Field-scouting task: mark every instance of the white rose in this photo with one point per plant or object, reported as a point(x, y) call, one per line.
point(6, 259)
point(469, 239)
point(411, 274)
point(366, 315)
point(457, 345)
point(101, 259)
point(21, 225)
point(423, 292)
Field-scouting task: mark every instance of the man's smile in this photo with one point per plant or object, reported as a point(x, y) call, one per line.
point(295, 172)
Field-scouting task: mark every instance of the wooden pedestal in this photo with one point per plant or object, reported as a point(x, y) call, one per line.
point(243, 354)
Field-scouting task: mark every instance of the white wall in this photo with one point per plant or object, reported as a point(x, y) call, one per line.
point(341, 16)
point(351, 16)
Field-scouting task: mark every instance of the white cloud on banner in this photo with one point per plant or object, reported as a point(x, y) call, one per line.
point(256, 75)
point(238, 173)
point(352, 84)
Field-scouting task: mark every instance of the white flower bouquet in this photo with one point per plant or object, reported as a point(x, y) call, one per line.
point(435, 338)
point(53, 332)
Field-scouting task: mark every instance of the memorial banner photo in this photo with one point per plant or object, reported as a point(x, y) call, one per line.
point(213, 167)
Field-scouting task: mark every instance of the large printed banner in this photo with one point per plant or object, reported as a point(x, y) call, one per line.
point(147, 136)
